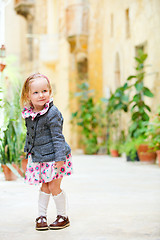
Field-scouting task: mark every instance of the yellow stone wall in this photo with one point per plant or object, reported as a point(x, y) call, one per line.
point(95, 46)
point(109, 50)
point(144, 21)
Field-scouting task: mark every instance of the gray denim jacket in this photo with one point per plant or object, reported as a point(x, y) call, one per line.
point(44, 139)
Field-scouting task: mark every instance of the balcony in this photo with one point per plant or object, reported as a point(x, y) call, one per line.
point(24, 7)
point(77, 20)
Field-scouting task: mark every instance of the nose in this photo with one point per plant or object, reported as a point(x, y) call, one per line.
point(41, 94)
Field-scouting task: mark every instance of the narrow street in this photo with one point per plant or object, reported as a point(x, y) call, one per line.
point(109, 199)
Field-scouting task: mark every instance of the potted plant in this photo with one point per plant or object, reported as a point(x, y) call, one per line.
point(117, 103)
point(7, 151)
point(114, 149)
point(146, 153)
point(130, 146)
point(153, 134)
point(138, 107)
point(85, 118)
point(12, 130)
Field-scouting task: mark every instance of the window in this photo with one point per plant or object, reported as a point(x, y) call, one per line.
point(127, 24)
point(112, 26)
point(117, 72)
point(137, 48)
point(82, 67)
point(30, 42)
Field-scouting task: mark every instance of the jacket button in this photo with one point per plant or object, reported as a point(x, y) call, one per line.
point(28, 142)
point(32, 127)
point(32, 137)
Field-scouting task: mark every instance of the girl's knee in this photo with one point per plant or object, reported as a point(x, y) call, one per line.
point(54, 186)
point(45, 188)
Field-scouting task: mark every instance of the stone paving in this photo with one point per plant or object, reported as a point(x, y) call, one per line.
point(109, 199)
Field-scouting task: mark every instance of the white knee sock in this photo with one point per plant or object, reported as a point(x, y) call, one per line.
point(60, 201)
point(43, 203)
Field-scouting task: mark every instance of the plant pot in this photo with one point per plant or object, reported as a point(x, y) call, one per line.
point(148, 157)
point(114, 153)
point(143, 148)
point(9, 175)
point(158, 156)
point(145, 154)
point(24, 163)
point(18, 169)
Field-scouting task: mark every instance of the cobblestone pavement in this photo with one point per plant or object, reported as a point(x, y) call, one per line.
point(109, 199)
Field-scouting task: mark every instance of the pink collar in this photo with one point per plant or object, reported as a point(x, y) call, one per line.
point(28, 111)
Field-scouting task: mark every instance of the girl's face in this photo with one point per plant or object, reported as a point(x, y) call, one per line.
point(39, 93)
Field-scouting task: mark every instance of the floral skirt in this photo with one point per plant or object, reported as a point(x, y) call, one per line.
point(45, 172)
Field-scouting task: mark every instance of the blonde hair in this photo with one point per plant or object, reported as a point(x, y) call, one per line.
point(25, 89)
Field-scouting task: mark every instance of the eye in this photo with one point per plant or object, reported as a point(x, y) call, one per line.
point(35, 92)
point(44, 90)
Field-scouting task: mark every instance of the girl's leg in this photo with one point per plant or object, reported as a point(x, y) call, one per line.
point(55, 186)
point(44, 195)
point(45, 188)
point(59, 197)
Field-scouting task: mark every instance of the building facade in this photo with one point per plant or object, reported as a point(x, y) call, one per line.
point(75, 40)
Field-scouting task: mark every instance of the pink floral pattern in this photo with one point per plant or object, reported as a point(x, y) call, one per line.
point(45, 172)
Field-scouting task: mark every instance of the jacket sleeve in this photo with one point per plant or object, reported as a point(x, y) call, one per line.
point(55, 126)
point(25, 146)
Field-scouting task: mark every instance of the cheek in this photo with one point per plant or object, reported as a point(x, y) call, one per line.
point(32, 97)
point(47, 94)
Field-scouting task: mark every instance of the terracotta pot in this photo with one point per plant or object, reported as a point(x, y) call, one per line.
point(114, 153)
point(18, 169)
point(145, 154)
point(142, 148)
point(9, 175)
point(24, 163)
point(158, 156)
point(148, 157)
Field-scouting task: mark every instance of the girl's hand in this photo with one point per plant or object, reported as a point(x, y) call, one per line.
point(58, 164)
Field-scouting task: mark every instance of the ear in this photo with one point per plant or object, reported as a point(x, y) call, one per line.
point(27, 97)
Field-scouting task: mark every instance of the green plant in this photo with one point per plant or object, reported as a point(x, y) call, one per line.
point(114, 145)
point(153, 131)
point(139, 109)
point(13, 135)
point(85, 118)
point(118, 102)
point(91, 118)
point(130, 146)
point(12, 127)
point(8, 144)
point(101, 129)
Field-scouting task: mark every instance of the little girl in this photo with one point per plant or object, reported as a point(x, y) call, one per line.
point(49, 156)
